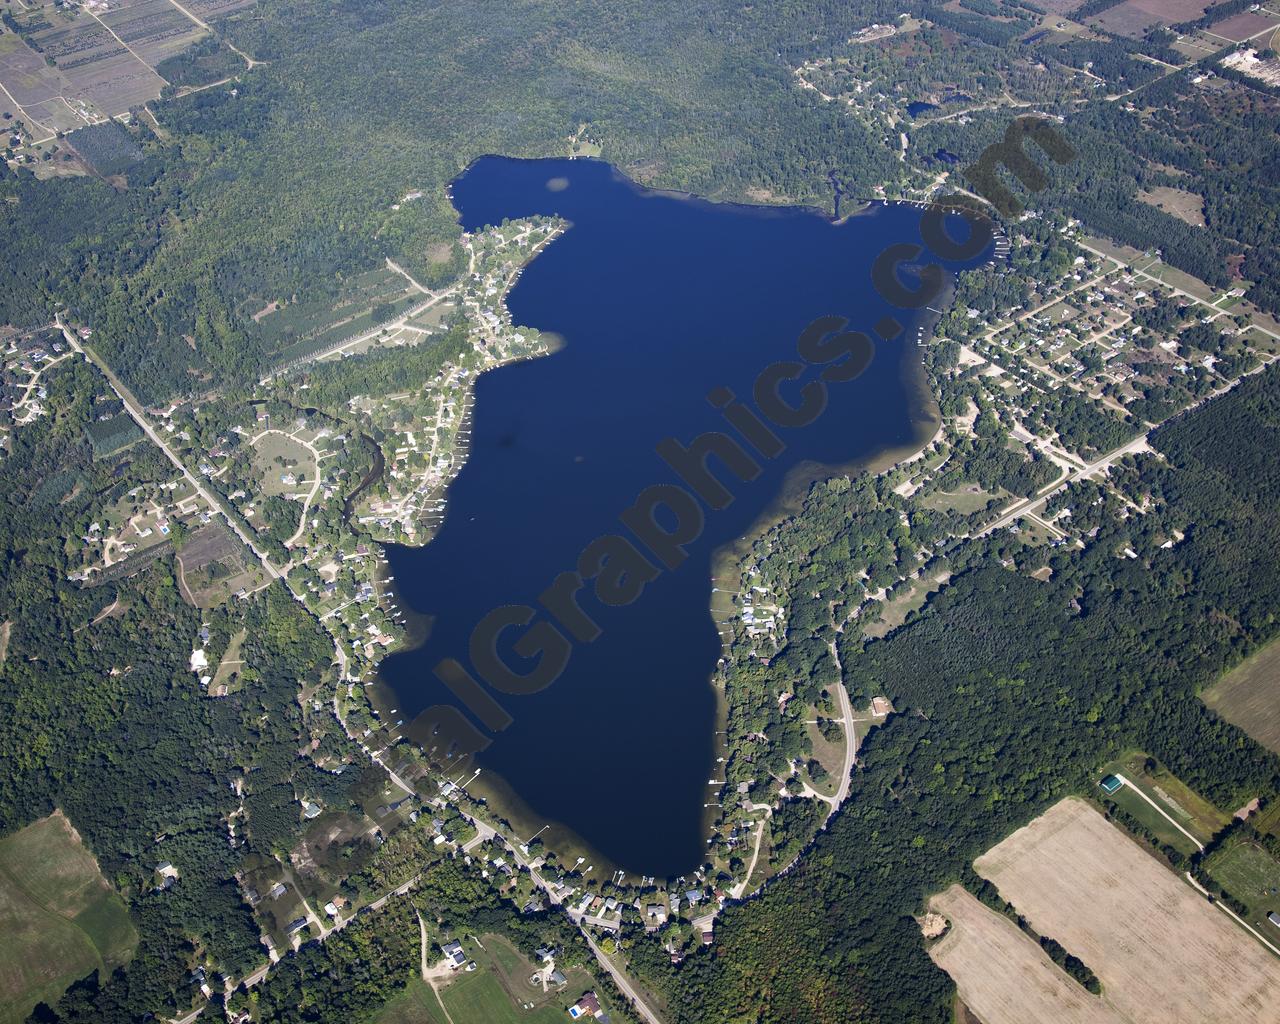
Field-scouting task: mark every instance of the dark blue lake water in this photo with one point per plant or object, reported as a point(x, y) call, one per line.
point(659, 300)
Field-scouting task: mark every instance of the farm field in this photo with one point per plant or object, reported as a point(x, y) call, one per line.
point(152, 29)
point(73, 67)
point(36, 88)
point(1161, 951)
point(1133, 17)
point(1243, 25)
point(211, 10)
point(1002, 975)
point(59, 918)
point(1247, 696)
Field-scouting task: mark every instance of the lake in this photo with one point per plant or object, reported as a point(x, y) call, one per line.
point(659, 299)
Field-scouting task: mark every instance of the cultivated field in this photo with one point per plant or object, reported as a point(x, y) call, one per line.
point(1249, 696)
point(1002, 975)
point(1161, 951)
point(103, 62)
point(1133, 17)
point(59, 920)
point(1244, 25)
point(211, 10)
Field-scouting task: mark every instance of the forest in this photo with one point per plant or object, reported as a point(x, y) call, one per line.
point(1012, 693)
point(104, 720)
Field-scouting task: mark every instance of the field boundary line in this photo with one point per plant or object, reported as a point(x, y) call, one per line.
point(1231, 913)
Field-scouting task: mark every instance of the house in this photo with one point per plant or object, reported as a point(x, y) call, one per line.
point(296, 925)
point(454, 954)
point(587, 1006)
point(1111, 783)
point(556, 978)
point(277, 890)
point(1274, 918)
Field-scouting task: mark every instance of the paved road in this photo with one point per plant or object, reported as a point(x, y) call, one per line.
point(134, 409)
point(621, 981)
point(1027, 505)
point(619, 978)
point(850, 738)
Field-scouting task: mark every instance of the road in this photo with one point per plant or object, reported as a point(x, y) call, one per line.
point(850, 739)
point(621, 981)
point(372, 332)
point(1173, 288)
point(249, 61)
point(488, 831)
point(1027, 505)
point(315, 486)
point(134, 409)
point(741, 887)
point(1230, 913)
point(1162, 812)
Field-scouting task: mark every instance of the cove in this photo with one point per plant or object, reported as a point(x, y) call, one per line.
point(658, 299)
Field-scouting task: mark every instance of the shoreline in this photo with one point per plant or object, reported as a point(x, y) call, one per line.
point(497, 793)
point(924, 422)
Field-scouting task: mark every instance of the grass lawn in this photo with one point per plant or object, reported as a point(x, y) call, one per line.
point(1180, 802)
point(1251, 875)
point(275, 455)
point(1127, 800)
point(479, 998)
point(895, 611)
point(228, 671)
point(58, 917)
point(1247, 696)
point(970, 498)
point(499, 990)
point(831, 756)
point(416, 1004)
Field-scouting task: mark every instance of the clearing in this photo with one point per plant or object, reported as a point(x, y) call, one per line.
point(1250, 874)
point(1186, 206)
point(213, 565)
point(59, 918)
point(1247, 696)
point(1185, 806)
point(1161, 951)
point(284, 464)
